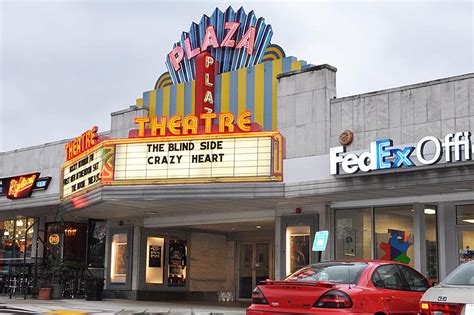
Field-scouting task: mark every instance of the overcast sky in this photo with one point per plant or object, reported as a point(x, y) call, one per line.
point(66, 65)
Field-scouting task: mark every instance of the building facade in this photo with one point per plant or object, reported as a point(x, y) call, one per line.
point(389, 174)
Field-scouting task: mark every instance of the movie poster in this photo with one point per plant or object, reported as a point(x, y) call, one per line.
point(349, 242)
point(177, 263)
point(299, 248)
point(154, 256)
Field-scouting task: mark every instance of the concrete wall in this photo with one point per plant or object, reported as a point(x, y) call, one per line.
point(124, 120)
point(46, 159)
point(405, 114)
point(303, 109)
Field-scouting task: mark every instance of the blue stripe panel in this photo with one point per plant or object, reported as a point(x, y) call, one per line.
point(146, 99)
point(217, 97)
point(250, 101)
point(268, 106)
point(159, 102)
point(286, 64)
point(187, 97)
point(234, 81)
point(173, 100)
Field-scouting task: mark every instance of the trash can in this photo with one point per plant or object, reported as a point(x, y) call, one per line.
point(94, 289)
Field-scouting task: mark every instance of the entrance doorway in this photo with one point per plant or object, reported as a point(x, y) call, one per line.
point(254, 266)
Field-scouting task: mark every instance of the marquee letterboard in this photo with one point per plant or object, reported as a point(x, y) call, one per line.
point(206, 158)
point(83, 173)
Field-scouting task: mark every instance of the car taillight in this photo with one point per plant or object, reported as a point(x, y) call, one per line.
point(427, 308)
point(334, 299)
point(257, 297)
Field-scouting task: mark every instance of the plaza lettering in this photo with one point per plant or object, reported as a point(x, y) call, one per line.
point(247, 41)
point(382, 155)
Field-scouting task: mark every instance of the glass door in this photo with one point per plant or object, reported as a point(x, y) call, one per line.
point(254, 266)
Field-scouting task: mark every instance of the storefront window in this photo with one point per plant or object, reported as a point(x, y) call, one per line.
point(154, 259)
point(431, 243)
point(54, 241)
point(75, 237)
point(16, 238)
point(353, 234)
point(394, 234)
point(465, 215)
point(96, 244)
point(297, 247)
point(466, 246)
point(177, 257)
point(118, 264)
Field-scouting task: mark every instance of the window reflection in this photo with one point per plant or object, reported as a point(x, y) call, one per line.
point(16, 238)
point(394, 234)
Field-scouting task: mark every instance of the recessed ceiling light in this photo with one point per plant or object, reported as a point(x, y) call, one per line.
point(258, 227)
point(469, 221)
point(233, 228)
point(461, 189)
point(430, 211)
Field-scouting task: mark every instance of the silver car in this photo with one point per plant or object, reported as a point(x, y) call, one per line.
point(454, 295)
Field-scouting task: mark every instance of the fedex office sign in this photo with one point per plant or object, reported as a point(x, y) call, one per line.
point(383, 155)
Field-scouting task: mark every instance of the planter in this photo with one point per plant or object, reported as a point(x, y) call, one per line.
point(57, 292)
point(94, 289)
point(44, 293)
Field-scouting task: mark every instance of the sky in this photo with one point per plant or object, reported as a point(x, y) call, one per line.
point(66, 65)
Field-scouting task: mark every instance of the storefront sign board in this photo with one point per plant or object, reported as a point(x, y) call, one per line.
point(205, 158)
point(383, 155)
point(320, 241)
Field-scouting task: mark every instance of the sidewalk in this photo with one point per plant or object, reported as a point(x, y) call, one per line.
point(109, 306)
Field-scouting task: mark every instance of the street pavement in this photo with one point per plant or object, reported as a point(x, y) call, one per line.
point(125, 307)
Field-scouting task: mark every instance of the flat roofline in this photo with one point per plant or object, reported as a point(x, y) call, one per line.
point(126, 110)
point(104, 133)
point(405, 87)
point(307, 69)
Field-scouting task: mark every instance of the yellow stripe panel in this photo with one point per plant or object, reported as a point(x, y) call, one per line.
point(166, 101)
point(242, 89)
point(180, 99)
point(295, 65)
point(259, 94)
point(277, 68)
point(152, 103)
point(139, 102)
point(225, 92)
point(193, 92)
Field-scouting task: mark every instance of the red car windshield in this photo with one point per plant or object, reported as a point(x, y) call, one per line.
point(336, 272)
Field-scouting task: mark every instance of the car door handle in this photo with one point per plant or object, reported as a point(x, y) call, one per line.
point(388, 299)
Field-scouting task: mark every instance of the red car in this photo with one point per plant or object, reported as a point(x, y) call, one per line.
point(343, 287)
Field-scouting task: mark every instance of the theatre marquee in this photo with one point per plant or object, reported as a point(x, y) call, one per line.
point(203, 158)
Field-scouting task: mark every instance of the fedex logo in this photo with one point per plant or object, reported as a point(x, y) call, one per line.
point(382, 155)
point(378, 158)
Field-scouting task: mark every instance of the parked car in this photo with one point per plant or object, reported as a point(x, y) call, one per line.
point(454, 295)
point(343, 287)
